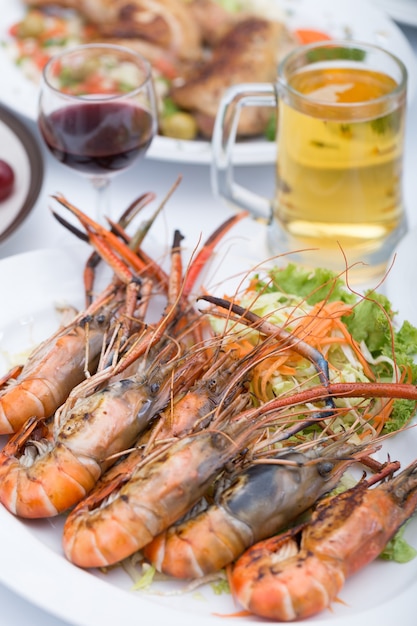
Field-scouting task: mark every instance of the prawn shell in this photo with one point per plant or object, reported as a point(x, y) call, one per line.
point(40, 394)
point(91, 430)
point(284, 589)
point(261, 500)
point(346, 532)
point(50, 374)
point(219, 536)
point(157, 495)
point(58, 478)
point(333, 533)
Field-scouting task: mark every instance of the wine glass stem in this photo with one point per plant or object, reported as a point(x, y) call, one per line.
point(101, 185)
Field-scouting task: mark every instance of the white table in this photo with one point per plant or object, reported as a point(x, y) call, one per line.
point(194, 195)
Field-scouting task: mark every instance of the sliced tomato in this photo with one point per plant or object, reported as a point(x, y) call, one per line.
point(14, 30)
point(165, 67)
point(40, 59)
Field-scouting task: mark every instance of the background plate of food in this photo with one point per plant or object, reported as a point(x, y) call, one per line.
point(197, 48)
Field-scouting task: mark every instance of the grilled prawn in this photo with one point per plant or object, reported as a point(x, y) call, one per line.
point(261, 500)
point(42, 476)
point(299, 573)
point(57, 365)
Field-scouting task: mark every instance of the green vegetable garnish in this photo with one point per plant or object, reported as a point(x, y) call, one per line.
point(398, 549)
point(233, 6)
point(271, 128)
point(336, 52)
point(220, 586)
point(146, 579)
point(313, 286)
point(370, 324)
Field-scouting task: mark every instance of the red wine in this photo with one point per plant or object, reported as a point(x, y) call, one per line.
point(97, 138)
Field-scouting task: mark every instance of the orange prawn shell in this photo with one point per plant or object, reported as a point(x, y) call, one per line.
point(333, 532)
point(346, 532)
point(36, 395)
point(58, 481)
point(175, 555)
point(284, 589)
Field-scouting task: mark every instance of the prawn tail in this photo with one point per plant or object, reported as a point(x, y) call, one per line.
point(277, 580)
point(100, 543)
point(199, 546)
point(49, 488)
point(20, 402)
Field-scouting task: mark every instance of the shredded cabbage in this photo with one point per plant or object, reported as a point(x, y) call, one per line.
point(376, 351)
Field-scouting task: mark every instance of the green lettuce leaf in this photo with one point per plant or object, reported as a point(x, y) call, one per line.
point(370, 322)
point(398, 549)
point(313, 286)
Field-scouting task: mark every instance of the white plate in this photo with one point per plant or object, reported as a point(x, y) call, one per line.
point(31, 560)
point(399, 284)
point(21, 151)
point(403, 11)
point(351, 19)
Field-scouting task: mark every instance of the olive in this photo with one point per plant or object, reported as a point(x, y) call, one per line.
point(6, 180)
point(179, 125)
point(32, 26)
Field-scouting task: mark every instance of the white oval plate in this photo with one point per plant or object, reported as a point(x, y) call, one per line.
point(404, 11)
point(351, 19)
point(32, 563)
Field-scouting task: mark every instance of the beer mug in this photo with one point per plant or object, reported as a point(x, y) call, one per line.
point(340, 108)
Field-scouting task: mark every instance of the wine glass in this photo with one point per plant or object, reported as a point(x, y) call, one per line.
point(98, 112)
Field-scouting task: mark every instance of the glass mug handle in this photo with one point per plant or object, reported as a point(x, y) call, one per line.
point(224, 138)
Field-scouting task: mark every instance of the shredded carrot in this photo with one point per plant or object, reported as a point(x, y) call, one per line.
point(379, 420)
point(310, 35)
point(262, 375)
point(242, 613)
point(287, 370)
point(358, 352)
point(321, 327)
point(242, 347)
point(320, 321)
point(253, 283)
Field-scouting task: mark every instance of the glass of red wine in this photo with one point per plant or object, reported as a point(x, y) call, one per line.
point(98, 112)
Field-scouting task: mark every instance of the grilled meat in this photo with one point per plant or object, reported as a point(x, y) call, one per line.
point(247, 53)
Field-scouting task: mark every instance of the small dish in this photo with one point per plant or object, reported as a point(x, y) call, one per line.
point(19, 148)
